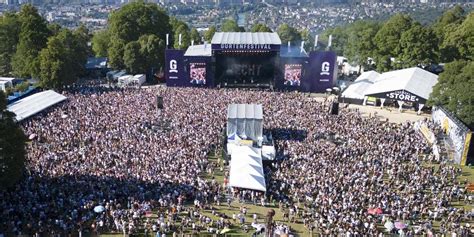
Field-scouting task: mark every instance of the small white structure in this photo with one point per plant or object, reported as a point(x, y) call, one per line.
point(4, 85)
point(138, 79)
point(6, 82)
point(130, 80)
point(245, 121)
point(35, 103)
point(124, 79)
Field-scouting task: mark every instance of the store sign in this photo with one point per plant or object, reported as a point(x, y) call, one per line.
point(403, 96)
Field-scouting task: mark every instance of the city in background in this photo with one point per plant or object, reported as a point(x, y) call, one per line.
point(315, 16)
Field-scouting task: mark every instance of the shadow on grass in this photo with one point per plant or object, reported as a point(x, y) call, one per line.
point(71, 199)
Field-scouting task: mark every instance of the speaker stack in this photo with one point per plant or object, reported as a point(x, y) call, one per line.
point(334, 108)
point(159, 102)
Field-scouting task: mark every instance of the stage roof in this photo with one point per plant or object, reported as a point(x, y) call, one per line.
point(199, 50)
point(34, 104)
point(414, 80)
point(257, 38)
point(246, 169)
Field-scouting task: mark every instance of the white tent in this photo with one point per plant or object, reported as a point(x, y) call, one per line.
point(357, 89)
point(245, 121)
point(246, 169)
point(413, 80)
point(35, 103)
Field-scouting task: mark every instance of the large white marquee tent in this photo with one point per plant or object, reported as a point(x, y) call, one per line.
point(35, 103)
point(413, 80)
point(245, 121)
point(413, 85)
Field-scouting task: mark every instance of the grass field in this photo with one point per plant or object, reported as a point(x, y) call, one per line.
point(297, 228)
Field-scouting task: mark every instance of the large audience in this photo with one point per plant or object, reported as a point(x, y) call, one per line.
point(113, 149)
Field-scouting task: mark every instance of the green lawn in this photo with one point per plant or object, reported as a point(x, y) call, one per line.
point(297, 228)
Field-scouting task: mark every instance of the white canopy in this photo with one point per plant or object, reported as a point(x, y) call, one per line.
point(357, 89)
point(245, 121)
point(246, 169)
point(414, 80)
point(35, 103)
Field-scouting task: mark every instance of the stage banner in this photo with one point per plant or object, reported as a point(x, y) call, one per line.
point(321, 72)
point(174, 68)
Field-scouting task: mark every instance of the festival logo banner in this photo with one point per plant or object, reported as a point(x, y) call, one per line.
point(174, 67)
point(322, 71)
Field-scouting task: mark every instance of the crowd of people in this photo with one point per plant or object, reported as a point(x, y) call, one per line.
point(113, 148)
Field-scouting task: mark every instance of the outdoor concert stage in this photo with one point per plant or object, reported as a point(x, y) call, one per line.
point(244, 59)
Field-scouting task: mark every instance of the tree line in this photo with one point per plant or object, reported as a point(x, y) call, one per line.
point(400, 42)
point(32, 48)
point(135, 40)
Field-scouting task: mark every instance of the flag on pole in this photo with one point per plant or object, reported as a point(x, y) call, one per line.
point(316, 41)
point(330, 41)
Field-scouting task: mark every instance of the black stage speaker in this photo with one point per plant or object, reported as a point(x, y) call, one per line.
point(159, 102)
point(334, 108)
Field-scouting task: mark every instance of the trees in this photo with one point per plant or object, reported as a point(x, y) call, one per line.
point(182, 30)
point(360, 42)
point(132, 21)
point(230, 26)
point(417, 46)
point(63, 59)
point(450, 18)
point(100, 43)
point(132, 58)
point(308, 40)
point(259, 27)
point(210, 33)
point(444, 29)
point(12, 147)
point(195, 36)
point(151, 49)
point(144, 54)
point(339, 38)
point(33, 37)
point(454, 90)
point(462, 39)
point(9, 36)
point(288, 33)
point(387, 39)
